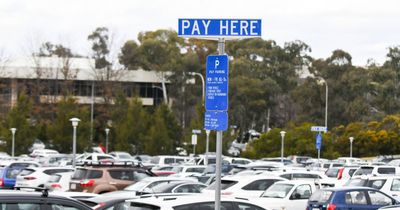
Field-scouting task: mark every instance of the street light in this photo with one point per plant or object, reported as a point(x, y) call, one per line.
point(164, 93)
point(283, 136)
point(107, 131)
point(351, 146)
point(75, 122)
point(13, 140)
point(326, 101)
point(202, 82)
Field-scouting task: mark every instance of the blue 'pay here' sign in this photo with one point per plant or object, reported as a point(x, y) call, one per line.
point(219, 28)
point(217, 83)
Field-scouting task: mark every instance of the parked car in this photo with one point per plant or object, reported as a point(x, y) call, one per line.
point(175, 187)
point(189, 202)
point(43, 153)
point(37, 177)
point(244, 186)
point(59, 181)
point(288, 195)
point(122, 156)
point(102, 178)
point(20, 200)
point(376, 170)
point(387, 184)
point(340, 175)
point(9, 173)
point(391, 207)
point(355, 198)
point(107, 202)
point(141, 185)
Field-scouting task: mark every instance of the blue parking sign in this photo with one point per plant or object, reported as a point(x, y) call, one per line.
point(318, 141)
point(216, 98)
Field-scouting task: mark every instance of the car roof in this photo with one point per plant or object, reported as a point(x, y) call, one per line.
point(348, 188)
point(29, 194)
point(250, 177)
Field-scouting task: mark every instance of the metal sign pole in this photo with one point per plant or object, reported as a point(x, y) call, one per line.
point(221, 50)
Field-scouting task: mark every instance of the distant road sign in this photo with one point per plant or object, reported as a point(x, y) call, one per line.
point(318, 141)
point(217, 121)
point(217, 83)
point(196, 131)
point(219, 28)
point(318, 128)
point(194, 139)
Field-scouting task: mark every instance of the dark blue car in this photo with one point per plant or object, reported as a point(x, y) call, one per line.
point(346, 198)
point(8, 175)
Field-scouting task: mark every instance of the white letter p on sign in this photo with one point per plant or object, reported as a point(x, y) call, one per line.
point(216, 64)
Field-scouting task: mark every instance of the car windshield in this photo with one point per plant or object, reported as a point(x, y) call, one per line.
point(225, 184)
point(332, 172)
point(278, 190)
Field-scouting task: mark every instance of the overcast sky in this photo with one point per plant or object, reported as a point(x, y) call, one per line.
point(364, 28)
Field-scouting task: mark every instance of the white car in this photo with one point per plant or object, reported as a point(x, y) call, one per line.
point(43, 153)
point(387, 184)
point(94, 158)
point(288, 195)
point(59, 181)
point(189, 169)
point(141, 185)
point(37, 177)
point(123, 156)
point(189, 202)
point(243, 186)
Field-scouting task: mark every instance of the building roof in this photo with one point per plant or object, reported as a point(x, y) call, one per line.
point(74, 69)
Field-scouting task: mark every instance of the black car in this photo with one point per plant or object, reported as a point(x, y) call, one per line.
point(22, 200)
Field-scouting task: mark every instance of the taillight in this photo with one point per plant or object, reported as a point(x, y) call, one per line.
point(340, 174)
point(56, 186)
point(29, 178)
point(87, 183)
point(226, 193)
point(331, 207)
point(1, 183)
point(100, 205)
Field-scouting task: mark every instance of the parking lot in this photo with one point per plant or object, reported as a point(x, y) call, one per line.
point(104, 181)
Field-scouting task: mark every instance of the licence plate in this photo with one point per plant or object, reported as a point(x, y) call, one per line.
point(73, 186)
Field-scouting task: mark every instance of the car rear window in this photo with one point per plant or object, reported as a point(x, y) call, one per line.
point(13, 172)
point(364, 171)
point(26, 171)
point(321, 196)
point(80, 173)
point(388, 170)
point(121, 174)
point(351, 171)
point(94, 174)
point(225, 184)
point(332, 172)
point(54, 178)
point(141, 206)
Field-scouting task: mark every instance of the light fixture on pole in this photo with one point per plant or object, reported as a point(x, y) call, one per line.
point(282, 144)
point(13, 140)
point(322, 80)
point(75, 122)
point(107, 130)
point(202, 82)
point(351, 146)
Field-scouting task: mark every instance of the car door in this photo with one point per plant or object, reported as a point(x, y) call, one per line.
point(298, 197)
point(356, 200)
point(379, 199)
point(395, 188)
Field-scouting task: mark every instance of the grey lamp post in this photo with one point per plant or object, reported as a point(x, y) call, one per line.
point(107, 131)
point(75, 121)
point(202, 82)
point(13, 140)
point(351, 146)
point(322, 80)
point(282, 144)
